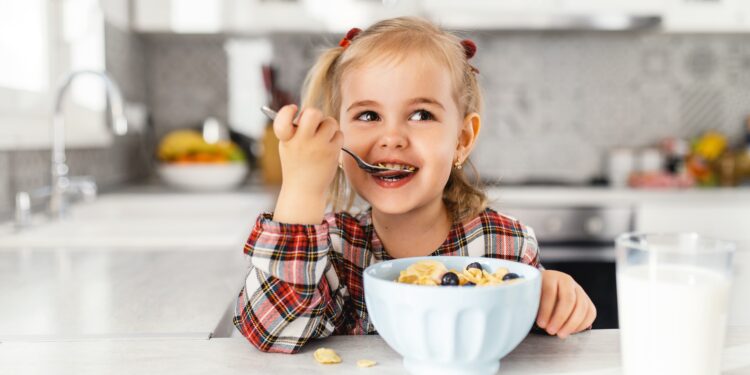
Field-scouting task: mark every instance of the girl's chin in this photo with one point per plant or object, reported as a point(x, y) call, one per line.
point(396, 204)
point(391, 204)
point(391, 209)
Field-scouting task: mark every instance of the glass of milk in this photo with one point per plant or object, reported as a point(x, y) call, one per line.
point(673, 297)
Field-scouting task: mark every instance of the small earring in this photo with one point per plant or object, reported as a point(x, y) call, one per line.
point(458, 165)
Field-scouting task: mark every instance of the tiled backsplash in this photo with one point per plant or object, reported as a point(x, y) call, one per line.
point(186, 80)
point(555, 103)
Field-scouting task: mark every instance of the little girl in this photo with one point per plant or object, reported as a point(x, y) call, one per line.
point(401, 93)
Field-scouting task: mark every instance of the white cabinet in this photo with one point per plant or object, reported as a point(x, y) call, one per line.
point(730, 221)
point(706, 16)
point(743, 14)
point(337, 16)
point(632, 7)
point(263, 16)
point(151, 15)
point(256, 16)
point(541, 14)
point(181, 16)
point(332, 16)
point(489, 14)
point(677, 15)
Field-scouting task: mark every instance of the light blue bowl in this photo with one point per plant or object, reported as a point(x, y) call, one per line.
point(452, 329)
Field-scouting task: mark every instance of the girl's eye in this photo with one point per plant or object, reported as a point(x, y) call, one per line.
point(421, 115)
point(368, 116)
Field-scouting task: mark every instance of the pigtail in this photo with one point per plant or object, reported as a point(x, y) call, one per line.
point(319, 91)
point(463, 197)
point(318, 88)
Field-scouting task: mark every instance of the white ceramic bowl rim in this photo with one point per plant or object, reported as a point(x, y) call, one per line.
point(528, 272)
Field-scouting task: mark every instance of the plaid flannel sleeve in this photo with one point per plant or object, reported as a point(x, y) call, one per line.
point(530, 248)
point(286, 299)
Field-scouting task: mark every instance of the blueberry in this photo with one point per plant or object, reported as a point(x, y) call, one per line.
point(474, 265)
point(510, 276)
point(449, 278)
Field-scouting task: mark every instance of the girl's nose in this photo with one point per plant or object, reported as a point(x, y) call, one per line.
point(394, 136)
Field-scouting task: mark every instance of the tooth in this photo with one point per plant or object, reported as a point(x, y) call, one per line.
point(402, 167)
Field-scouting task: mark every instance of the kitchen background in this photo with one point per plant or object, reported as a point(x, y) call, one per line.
point(589, 106)
point(557, 102)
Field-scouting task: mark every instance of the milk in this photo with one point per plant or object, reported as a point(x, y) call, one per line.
point(672, 319)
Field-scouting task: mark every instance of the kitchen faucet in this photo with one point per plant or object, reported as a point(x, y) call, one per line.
point(62, 185)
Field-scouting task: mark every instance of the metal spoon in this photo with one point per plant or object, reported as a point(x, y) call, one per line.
point(367, 167)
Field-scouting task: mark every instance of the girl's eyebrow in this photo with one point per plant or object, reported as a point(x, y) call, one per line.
point(426, 101)
point(422, 100)
point(362, 103)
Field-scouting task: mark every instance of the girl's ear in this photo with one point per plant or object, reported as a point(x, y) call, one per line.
point(467, 136)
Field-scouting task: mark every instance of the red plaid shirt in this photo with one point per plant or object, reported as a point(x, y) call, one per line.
point(305, 281)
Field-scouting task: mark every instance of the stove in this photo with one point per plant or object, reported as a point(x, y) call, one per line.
point(580, 242)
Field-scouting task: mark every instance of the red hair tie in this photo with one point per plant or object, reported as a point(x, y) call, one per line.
point(470, 49)
point(350, 35)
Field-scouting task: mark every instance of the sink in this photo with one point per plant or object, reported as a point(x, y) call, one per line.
point(127, 220)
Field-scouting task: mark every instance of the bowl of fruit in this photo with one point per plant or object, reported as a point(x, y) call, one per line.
point(188, 162)
point(452, 314)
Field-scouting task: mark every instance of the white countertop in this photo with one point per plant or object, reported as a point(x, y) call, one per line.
point(155, 216)
point(537, 195)
point(149, 305)
point(147, 217)
point(591, 196)
point(55, 294)
point(590, 353)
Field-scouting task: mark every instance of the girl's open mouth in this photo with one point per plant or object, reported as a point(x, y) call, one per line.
point(394, 179)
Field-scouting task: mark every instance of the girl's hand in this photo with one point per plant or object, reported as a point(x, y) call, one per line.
point(565, 307)
point(310, 151)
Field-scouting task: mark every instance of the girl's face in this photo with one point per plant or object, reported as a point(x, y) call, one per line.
point(400, 113)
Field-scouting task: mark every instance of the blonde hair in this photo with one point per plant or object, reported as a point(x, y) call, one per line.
point(395, 38)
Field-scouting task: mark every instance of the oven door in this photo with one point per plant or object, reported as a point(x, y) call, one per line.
point(593, 267)
point(579, 241)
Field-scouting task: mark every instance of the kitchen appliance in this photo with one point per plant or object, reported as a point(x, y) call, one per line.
point(580, 242)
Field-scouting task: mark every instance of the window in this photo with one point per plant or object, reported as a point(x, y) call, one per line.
point(40, 41)
point(23, 42)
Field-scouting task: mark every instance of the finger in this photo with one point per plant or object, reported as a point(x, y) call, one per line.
point(327, 128)
point(566, 300)
point(309, 121)
point(282, 125)
point(547, 303)
point(588, 320)
point(338, 141)
point(579, 313)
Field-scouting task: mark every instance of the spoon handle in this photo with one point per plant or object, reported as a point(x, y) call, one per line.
point(270, 113)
